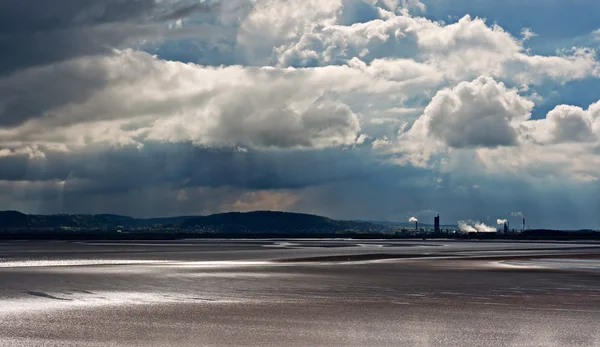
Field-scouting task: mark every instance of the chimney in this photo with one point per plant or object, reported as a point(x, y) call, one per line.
point(416, 225)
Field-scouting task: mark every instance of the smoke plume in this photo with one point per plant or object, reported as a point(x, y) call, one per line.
point(501, 221)
point(470, 226)
point(413, 220)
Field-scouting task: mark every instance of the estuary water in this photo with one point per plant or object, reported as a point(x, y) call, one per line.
point(333, 292)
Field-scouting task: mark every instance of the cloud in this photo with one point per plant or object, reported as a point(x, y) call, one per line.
point(563, 144)
point(125, 96)
point(314, 106)
point(458, 51)
point(414, 5)
point(129, 96)
point(271, 23)
point(527, 34)
point(149, 201)
point(480, 113)
point(36, 34)
point(349, 184)
point(184, 10)
point(185, 165)
point(567, 124)
point(263, 200)
point(485, 125)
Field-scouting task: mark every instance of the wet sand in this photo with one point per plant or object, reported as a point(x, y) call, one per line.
point(299, 293)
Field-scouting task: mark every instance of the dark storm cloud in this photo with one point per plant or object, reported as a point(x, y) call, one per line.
point(415, 192)
point(184, 165)
point(185, 11)
point(340, 184)
point(61, 84)
point(35, 32)
point(34, 16)
point(148, 181)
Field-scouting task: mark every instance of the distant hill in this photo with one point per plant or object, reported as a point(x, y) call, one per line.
point(231, 223)
point(271, 221)
point(14, 219)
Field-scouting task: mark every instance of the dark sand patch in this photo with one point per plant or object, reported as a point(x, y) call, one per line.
point(574, 256)
point(45, 295)
point(447, 256)
point(354, 257)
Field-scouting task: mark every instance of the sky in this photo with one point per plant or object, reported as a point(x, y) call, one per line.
point(352, 109)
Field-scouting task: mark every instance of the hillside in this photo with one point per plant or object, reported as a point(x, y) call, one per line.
point(270, 221)
point(231, 223)
point(18, 220)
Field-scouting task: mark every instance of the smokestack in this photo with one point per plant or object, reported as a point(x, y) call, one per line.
point(523, 224)
point(413, 219)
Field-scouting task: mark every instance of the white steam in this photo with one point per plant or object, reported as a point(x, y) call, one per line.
point(470, 226)
point(501, 221)
point(413, 220)
point(465, 227)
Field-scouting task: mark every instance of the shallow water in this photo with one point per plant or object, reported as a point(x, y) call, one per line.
point(299, 293)
point(557, 263)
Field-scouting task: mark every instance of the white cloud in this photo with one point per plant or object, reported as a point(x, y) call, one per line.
point(486, 126)
point(563, 144)
point(32, 152)
point(457, 51)
point(481, 113)
point(381, 142)
point(564, 124)
point(271, 23)
point(414, 4)
point(361, 139)
point(131, 96)
point(527, 34)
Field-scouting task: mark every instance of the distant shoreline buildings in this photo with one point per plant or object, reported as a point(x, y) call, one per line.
point(477, 228)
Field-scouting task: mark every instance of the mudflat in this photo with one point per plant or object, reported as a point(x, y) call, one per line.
point(299, 293)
